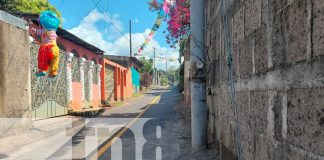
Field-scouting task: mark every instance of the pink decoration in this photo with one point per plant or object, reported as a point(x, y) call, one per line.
point(166, 7)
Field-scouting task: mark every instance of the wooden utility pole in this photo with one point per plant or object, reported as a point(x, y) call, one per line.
point(130, 43)
point(154, 71)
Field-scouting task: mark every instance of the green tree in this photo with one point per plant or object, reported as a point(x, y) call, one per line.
point(172, 74)
point(27, 6)
point(147, 65)
point(164, 79)
point(7, 5)
point(181, 77)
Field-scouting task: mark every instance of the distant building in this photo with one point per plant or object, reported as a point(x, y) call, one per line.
point(132, 74)
point(125, 61)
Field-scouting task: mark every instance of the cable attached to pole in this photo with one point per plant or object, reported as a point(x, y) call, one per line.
point(230, 82)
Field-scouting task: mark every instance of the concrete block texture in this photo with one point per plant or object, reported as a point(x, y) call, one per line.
point(247, 143)
point(15, 101)
point(244, 111)
point(259, 111)
point(297, 31)
point(227, 140)
point(290, 37)
point(238, 27)
point(252, 12)
point(264, 149)
point(245, 59)
point(318, 27)
point(305, 119)
point(261, 51)
point(278, 48)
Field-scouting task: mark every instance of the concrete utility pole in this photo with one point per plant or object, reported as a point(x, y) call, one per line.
point(154, 71)
point(130, 38)
point(198, 76)
point(130, 43)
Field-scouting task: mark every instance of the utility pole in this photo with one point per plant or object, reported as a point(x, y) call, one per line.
point(198, 76)
point(130, 43)
point(154, 71)
point(174, 78)
point(159, 78)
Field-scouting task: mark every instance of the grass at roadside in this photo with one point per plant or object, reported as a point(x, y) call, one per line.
point(120, 103)
point(117, 104)
point(135, 95)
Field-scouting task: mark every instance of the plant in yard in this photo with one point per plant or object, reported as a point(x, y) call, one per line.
point(178, 22)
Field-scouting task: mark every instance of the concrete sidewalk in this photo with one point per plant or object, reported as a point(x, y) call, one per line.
point(45, 137)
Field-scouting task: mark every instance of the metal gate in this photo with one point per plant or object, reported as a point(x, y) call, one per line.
point(48, 94)
point(109, 83)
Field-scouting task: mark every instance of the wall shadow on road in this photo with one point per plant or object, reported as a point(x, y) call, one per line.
point(120, 115)
point(158, 91)
point(153, 94)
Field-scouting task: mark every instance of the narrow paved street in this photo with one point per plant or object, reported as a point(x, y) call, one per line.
point(164, 115)
point(162, 80)
point(154, 131)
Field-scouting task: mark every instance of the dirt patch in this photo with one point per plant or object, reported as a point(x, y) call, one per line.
point(185, 140)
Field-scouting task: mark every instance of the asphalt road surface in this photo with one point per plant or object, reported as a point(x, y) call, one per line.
point(161, 132)
point(147, 128)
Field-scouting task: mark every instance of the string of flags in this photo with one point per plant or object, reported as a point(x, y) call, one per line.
point(163, 8)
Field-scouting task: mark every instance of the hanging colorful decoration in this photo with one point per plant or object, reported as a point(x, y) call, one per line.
point(178, 18)
point(163, 9)
point(48, 53)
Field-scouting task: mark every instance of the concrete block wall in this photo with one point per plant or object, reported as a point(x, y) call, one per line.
point(278, 57)
point(15, 91)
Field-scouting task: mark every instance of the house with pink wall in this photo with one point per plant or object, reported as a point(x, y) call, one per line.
point(91, 78)
point(79, 63)
point(128, 63)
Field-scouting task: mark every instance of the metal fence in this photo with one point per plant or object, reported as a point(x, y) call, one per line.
point(48, 94)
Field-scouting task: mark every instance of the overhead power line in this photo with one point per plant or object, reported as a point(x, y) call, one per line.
point(82, 18)
point(108, 19)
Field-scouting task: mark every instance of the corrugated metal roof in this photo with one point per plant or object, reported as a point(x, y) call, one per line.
point(123, 60)
point(64, 34)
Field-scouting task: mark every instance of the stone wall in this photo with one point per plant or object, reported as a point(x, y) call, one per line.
point(15, 100)
point(278, 57)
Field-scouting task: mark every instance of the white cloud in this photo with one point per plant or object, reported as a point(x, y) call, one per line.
point(88, 31)
point(116, 44)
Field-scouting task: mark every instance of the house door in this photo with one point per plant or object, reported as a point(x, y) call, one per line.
point(109, 83)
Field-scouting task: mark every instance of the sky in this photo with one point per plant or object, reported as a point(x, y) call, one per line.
point(106, 26)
